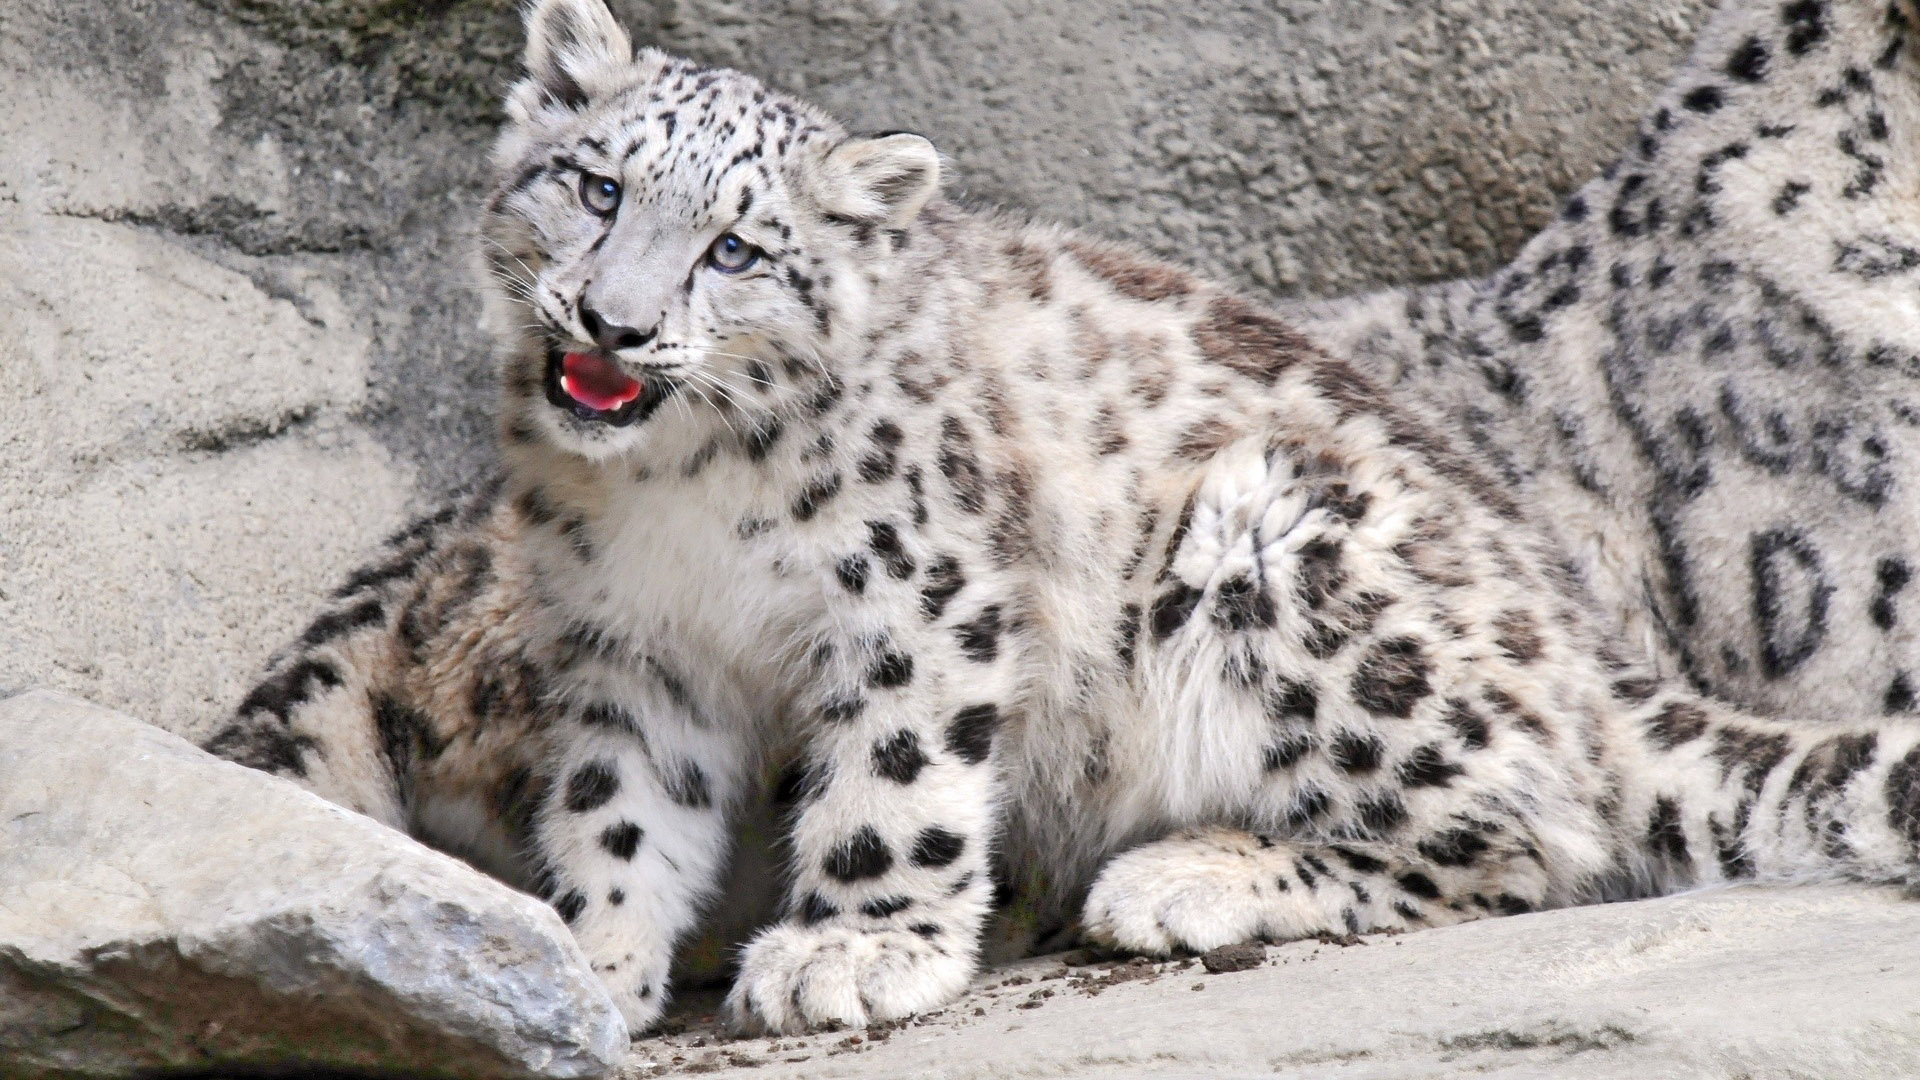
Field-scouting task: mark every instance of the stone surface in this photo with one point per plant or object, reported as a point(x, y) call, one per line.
point(184, 463)
point(160, 909)
point(235, 259)
point(1751, 983)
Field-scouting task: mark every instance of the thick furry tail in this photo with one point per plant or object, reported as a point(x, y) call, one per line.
point(1720, 795)
point(333, 712)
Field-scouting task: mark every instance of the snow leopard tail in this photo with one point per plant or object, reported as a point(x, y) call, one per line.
point(1719, 795)
point(341, 711)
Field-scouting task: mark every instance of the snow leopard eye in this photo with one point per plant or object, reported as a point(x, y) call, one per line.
point(599, 194)
point(730, 254)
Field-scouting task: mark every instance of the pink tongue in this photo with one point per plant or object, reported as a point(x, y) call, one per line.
point(593, 381)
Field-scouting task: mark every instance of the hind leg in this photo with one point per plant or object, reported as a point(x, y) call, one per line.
point(1380, 691)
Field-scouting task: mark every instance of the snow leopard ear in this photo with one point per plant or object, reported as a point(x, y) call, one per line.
point(568, 43)
point(883, 178)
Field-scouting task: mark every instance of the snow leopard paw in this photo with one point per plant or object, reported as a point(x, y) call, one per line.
point(1183, 894)
point(793, 978)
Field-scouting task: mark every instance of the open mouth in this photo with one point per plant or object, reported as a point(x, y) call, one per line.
point(590, 386)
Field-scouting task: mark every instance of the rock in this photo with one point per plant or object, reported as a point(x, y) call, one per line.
point(1245, 956)
point(186, 468)
point(1757, 982)
point(161, 909)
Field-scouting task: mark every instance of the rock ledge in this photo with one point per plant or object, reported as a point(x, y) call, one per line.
point(164, 910)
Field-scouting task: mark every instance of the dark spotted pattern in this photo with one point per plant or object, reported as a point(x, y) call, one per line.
point(899, 758)
point(1427, 766)
point(970, 733)
point(853, 572)
point(1677, 722)
point(881, 907)
point(1241, 604)
point(813, 909)
point(1249, 341)
point(980, 636)
point(570, 905)
point(687, 785)
point(937, 847)
point(621, 840)
point(592, 786)
point(1519, 636)
point(890, 669)
point(1172, 609)
point(1393, 678)
point(344, 621)
point(862, 856)
point(943, 581)
point(1665, 837)
point(1466, 723)
point(1356, 753)
point(884, 540)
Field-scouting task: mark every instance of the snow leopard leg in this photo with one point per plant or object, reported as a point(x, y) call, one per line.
point(1375, 750)
point(893, 829)
point(626, 830)
point(1217, 886)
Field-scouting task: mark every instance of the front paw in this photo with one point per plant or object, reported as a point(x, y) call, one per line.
point(640, 1000)
point(793, 978)
point(1184, 894)
point(631, 965)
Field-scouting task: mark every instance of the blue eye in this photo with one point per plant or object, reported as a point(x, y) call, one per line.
point(599, 194)
point(730, 254)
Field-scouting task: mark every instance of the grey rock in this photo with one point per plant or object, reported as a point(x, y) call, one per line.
point(1768, 984)
point(161, 909)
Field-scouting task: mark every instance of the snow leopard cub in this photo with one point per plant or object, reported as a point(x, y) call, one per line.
point(1042, 558)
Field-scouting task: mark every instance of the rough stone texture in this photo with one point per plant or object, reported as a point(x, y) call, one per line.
point(1744, 983)
point(185, 459)
point(163, 909)
point(234, 257)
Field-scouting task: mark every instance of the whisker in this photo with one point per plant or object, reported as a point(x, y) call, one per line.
point(707, 380)
point(733, 394)
point(511, 254)
point(495, 273)
point(711, 351)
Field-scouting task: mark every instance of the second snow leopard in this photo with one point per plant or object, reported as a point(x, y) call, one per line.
point(1032, 551)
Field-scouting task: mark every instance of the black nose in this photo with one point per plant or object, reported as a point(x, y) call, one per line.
point(612, 337)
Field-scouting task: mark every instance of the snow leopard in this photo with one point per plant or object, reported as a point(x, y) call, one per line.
point(1008, 558)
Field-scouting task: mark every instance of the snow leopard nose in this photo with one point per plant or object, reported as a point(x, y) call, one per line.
point(609, 336)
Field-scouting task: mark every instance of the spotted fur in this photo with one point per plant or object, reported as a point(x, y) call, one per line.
point(1033, 554)
point(1702, 375)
